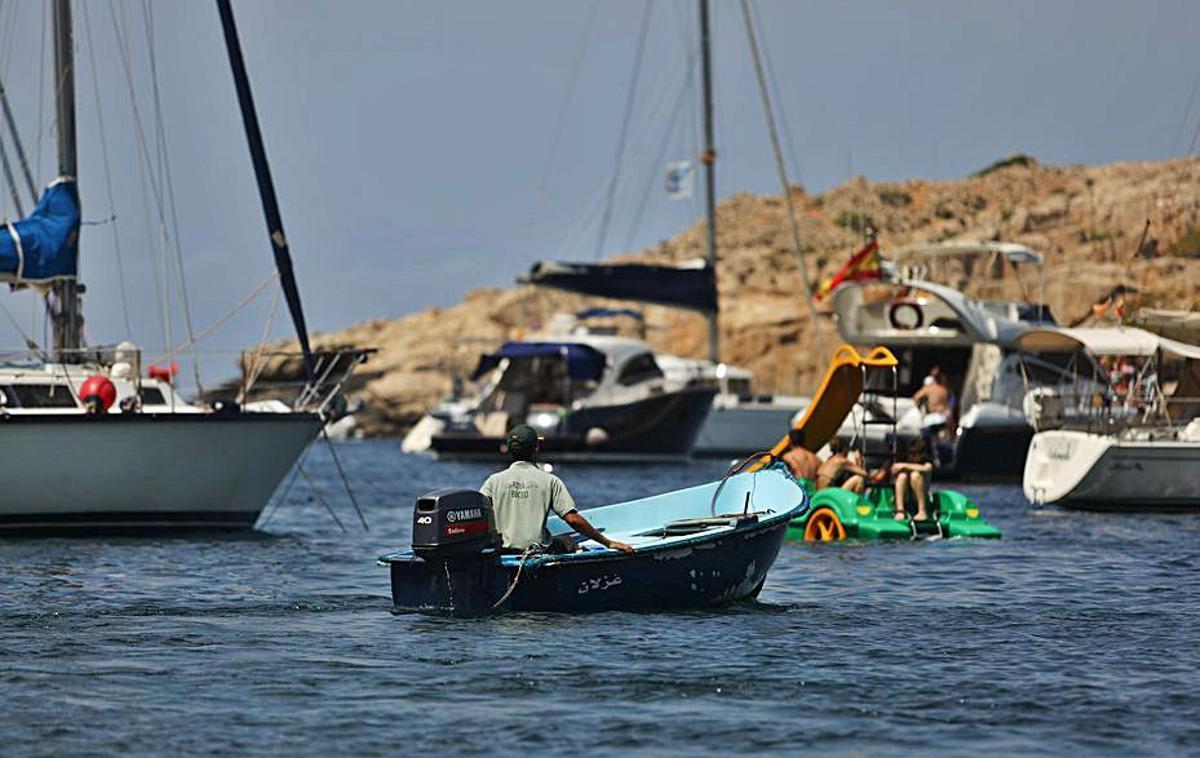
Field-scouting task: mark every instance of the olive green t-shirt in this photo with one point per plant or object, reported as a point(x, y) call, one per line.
point(522, 495)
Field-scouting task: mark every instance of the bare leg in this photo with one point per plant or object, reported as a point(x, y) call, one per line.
point(919, 491)
point(901, 493)
point(855, 484)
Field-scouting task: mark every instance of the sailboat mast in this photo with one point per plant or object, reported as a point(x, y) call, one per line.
point(709, 158)
point(266, 186)
point(66, 311)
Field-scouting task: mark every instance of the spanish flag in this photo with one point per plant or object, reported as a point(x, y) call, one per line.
point(862, 265)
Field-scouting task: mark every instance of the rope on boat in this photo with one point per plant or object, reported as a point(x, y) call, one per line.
point(520, 567)
point(337, 462)
point(321, 498)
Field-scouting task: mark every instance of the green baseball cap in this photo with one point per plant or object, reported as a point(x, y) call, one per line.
point(521, 439)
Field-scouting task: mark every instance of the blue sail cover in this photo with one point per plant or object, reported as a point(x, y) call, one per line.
point(692, 287)
point(45, 245)
point(583, 363)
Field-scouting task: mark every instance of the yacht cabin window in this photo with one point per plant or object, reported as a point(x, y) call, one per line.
point(640, 368)
point(38, 396)
point(527, 382)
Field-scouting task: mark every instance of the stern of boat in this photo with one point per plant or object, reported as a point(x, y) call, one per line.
point(1058, 461)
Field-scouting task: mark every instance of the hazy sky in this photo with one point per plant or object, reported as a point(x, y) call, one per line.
point(424, 148)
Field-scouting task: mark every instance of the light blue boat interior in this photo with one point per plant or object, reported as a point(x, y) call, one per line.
point(770, 493)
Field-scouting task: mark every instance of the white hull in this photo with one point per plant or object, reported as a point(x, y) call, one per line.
point(1083, 469)
point(420, 438)
point(147, 471)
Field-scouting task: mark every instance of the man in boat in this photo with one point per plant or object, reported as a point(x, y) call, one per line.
point(839, 470)
point(523, 495)
point(802, 462)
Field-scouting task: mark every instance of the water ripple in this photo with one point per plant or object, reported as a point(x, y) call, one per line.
point(1074, 633)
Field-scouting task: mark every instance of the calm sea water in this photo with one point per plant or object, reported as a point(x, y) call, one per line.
point(1077, 632)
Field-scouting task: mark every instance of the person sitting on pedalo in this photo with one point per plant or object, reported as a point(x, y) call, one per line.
point(840, 470)
point(914, 474)
point(523, 495)
point(801, 462)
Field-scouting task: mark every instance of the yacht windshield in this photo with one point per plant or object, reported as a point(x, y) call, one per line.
point(527, 382)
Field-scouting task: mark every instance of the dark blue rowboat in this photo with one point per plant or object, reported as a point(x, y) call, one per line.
point(704, 546)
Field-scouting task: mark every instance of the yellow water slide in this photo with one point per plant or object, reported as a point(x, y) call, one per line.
point(839, 391)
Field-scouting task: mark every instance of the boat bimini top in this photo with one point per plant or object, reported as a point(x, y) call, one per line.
point(1110, 341)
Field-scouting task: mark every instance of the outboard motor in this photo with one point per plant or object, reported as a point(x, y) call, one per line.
point(451, 522)
point(457, 565)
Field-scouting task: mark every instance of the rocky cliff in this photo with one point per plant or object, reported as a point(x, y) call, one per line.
point(1087, 220)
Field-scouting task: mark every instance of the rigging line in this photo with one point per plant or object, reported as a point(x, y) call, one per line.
point(662, 112)
point(221, 321)
point(1192, 146)
point(259, 362)
point(274, 505)
point(145, 172)
point(148, 19)
point(6, 26)
point(687, 27)
point(1184, 118)
point(785, 188)
point(680, 101)
point(321, 498)
point(41, 91)
point(342, 473)
point(775, 93)
point(18, 146)
point(578, 231)
point(30, 343)
point(42, 131)
point(11, 180)
point(630, 99)
point(568, 97)
point(87, 26)
point(588, 220)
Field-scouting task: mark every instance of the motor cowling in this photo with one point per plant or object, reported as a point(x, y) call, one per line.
point(451, 522)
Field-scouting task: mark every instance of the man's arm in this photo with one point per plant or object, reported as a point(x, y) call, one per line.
point(855, 469)
point(576, 521)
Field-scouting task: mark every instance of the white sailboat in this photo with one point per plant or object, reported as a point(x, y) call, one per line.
point(90, 443)
point(1126, 435)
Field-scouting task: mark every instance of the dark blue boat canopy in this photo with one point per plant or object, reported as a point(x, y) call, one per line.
point(45, 245)
point(693, 287)
point(584, 363)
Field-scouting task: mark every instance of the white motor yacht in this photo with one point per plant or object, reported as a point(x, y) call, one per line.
point(928, 324)
point(591, 397)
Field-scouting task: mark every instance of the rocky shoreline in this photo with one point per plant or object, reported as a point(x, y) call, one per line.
point(1087, 220)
